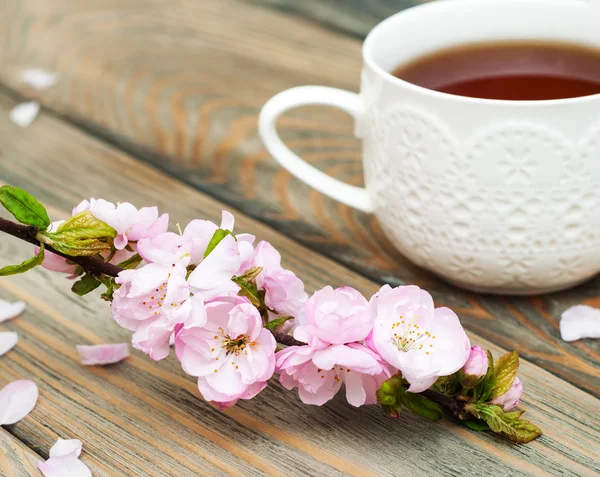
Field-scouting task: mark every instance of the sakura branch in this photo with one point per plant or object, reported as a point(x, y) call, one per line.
point(227, 302)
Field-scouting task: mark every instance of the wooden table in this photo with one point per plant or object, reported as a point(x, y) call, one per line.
point(157, 103)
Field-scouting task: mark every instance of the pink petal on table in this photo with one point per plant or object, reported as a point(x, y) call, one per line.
point(578, 322)
point(17, 399)
point(102, 354)
point(10, 310)
point(63, 447)
point(8, 340)
point(64, 466)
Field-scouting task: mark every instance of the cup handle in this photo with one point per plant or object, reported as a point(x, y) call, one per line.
point(353, 196)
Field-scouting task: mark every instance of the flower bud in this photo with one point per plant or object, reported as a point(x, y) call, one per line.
point(511, 397)
point(477, 364)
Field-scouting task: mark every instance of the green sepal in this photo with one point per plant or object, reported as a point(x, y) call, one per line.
point(476, 425)
point(420, 405)
point(24, 266)
point(248, 275)
point(85, 285)
point(24, 207)
point(111, 286)
point(219, 235)
point(387, 394)
point(509, 424)
point(505, 372)
point(131, 262)
point(393, 411)
point(277, 322)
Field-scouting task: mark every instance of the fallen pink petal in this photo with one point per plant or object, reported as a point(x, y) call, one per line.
point(64, 460)
point(10, 310)
point(579, 322)
point(17, 399)
point(66, 446)
point(102, 354)
point(8, 340)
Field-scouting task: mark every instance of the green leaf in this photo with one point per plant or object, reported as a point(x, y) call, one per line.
point(25, 266)
point(485, 387)
point(276, 323)
point(508, 424)
point(505, 372)
point(421, 405)
point(477, 426)
point(24, 207)
point(131, 262)
point(81, 235)
point(219, 235)
point(85, 285)
point(84, 225)
point(249, 275)
point(81, 248)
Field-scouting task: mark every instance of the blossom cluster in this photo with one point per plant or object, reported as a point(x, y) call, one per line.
point(217, 296)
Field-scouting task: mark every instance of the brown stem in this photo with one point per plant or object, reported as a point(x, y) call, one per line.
point(96, 266)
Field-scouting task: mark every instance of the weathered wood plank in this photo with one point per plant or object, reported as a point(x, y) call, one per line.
point(16, 459)
point(356, 17)
point(181, 83)
point(145, 418)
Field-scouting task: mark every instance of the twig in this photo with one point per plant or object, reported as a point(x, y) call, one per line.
point(95, 266)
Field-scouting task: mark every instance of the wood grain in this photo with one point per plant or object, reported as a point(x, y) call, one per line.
point(180, 84)
point(16, 459)
point(145, 418)
point(356, 17)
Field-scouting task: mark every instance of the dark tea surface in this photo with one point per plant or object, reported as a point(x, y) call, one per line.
point(511, 71)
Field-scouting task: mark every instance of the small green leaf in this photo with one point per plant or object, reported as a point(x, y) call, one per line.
point(131, 262)
point(26, 208)
point(486, 386)
point(81, 235)
point(505, 372)
point(84, 225)
point(508, 424)
point(526, 431)
point(25, 266)
point(219, 235)
point(421, 405)
point(85, 285)
point(249, 291)
point(249, 275)
point(81, 248)
point(475, 425)
point(276, 323)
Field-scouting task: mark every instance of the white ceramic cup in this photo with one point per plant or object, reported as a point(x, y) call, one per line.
point(495, 196)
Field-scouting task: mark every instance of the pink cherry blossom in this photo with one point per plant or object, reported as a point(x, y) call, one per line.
point(477, 364)
point(511, 397)
point(130, 223)
point(166, 249)
point(319, 374)
point(421, 341)
point(335, 317)
point(151, 301)
point(284, 291)
point(230, 352)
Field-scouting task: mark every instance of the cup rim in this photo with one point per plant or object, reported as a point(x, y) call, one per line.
point(368, 46)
